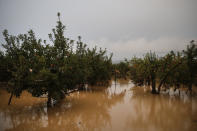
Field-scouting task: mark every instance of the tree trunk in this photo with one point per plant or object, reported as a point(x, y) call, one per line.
point(153, 85)
point(191, 82)
point(115, 77)
point(148, 82)
point(49, 104)
point(166, 76)
point(190, 88)
point(10, 99)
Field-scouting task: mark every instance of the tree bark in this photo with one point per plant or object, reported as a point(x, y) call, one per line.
point(190, 88)
point(148, 82)
point(49, 104)
point(10, 99)
point(153, 85)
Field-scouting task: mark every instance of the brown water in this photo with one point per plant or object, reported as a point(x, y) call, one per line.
point(118, 108)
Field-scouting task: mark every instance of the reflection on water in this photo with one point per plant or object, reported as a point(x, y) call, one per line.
point(121, 106)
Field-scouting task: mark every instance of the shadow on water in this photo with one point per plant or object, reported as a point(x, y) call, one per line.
point(120, 106)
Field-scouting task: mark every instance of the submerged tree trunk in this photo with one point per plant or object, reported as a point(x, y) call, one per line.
point(191, 82)
point(148, 81)
point(190, 88)
point(49, 104)
point(166, 76)
point(10, 99)
point(153, 85)
point(81, 86)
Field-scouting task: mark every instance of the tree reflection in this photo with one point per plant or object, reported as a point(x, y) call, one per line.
point(84, 110)
point(150, 112)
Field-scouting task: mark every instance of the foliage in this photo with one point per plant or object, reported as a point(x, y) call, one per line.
point(54, 68)
point(121, 70)
point(173, 69)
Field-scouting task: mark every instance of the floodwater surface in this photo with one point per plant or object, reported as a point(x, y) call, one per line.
point(118, 107)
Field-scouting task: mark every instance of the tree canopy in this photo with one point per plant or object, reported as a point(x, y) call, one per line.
point(173, 69)
point(51, 68)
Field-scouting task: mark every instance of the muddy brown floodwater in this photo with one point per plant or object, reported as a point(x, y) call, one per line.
point(117, 108)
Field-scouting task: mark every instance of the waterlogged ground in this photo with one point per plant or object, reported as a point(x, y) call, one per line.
point(118, 108)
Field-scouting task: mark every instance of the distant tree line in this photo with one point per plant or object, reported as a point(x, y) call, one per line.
point(28, 63)
point(121, 69)
point(172, 70)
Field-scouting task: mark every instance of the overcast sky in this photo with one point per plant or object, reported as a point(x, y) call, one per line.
point(124, 27)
